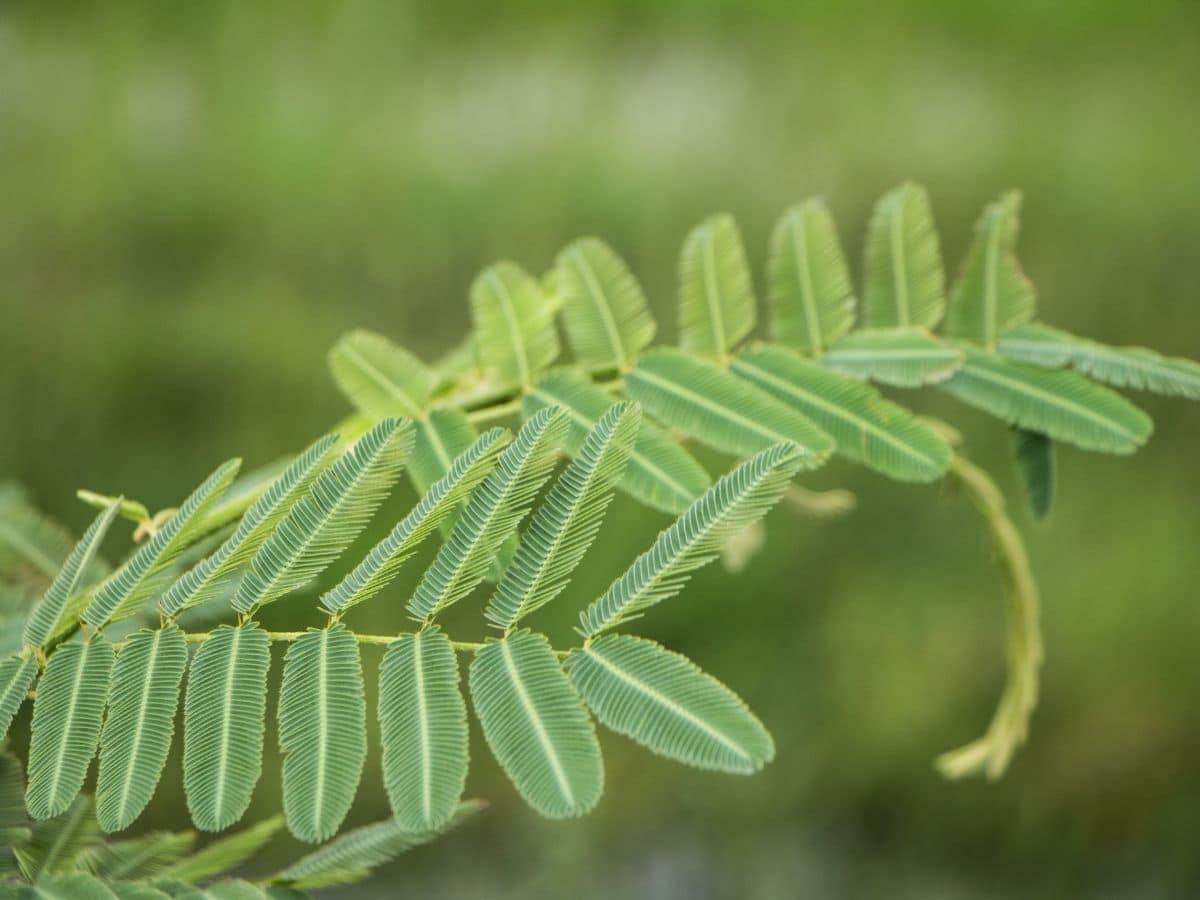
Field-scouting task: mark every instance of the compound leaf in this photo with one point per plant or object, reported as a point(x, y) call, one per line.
point(54, 843)
point(16, 678)
point(224, 853)
point(69, 886)
point(378, 377)
point(33, 546)
point(905, 284)
point(536, 725)
point(514, 325)
point(903, 357)
point(716, 294)
point(423, 730)
point(146, 856)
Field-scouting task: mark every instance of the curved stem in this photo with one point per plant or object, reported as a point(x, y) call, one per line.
point(990, 754)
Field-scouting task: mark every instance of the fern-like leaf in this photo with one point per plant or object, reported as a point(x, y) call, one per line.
point(739, 498)
point(868, 429)
point(604, 310)
point(568, 520)
point(905, 283)
point(69, 886)
point(660, 473)
point(705, 401)
point(1064, 406)
point(223, 724)
point(423, 729)
point(536, 725)
point(54, 843)
point(146, 856)
point(48, 615)
point(322, 731)
point(66, 724)
point(205, 580)
point(382, 564)
point(442, 436)
point(664, 702)
point(225, 853)
point(992, 295)
point(16, 678)
point(119, 596)
point(328, 519)
point(716, 293)
point(1130, 367)
point(378, 377)
point(808, 282)
point(1035, 457)
point(492, 514)
point(142, 699)
point(903, 357)
point(33, 547)
point(515, 337)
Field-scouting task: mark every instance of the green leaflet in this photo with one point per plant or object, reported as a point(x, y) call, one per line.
point(495, 509)
point(568, 520)
point(423, 730)
point(515, 337)
point(867, 428)
point(49, 613)
point(382, 564)
point(660, 473)
point(119, 596)
point(204, 581)
point(1131, 367)
point(664, 702)
point(378, 377)
point(33, 546)
point(992, 295)
point(66, 724)
point(739, 498)
point(536, 725)
point(224, 853)
point(716, 293)
point(1036, 462)
point(54, 843)
point(904, 357)
point(904, 282)
point(142, 698)
point(322, 731)
point(808, 283)
point(353, 855)
point(1062, 405)
point(223, 724)
point(16, 678)
point(146, 856)
point(604, 310)
point(328, 519)
point(715, 407)
point(443, 435)
point(68, 886)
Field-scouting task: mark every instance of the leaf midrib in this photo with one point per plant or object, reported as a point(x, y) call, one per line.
point(535, 720)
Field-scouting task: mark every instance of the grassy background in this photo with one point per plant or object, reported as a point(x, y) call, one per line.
point(196, 201)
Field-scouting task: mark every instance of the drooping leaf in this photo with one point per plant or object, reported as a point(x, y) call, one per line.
point(47, 616)
point(119, 596)
point(495, 509)
point(1064, 406)
point(515, 337)
point(737, 499)
point(992, 295)
point(54, 843)
point(716, 293)
point(604, 310)
point(16, 678)
point(536, 725)
point(567, 521)
point(423, 730)
point(808, 282)
point(664, 702)
point(145, 856)
point(327, 519)
point(719, 409)
point(225, 853)
point(382, 564)
point(378, 377)
point(223, 724)
point(204, 581)
point(140, 723)
point(66, 724)
point(1034, 453)
point(322, 731)
point(904, 281)
point(1131, 367)
point(353, 855)
point(904, 357)
point(867, 428)
point(660, 473)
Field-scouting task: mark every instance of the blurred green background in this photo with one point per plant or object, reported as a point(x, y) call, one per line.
point(196, 200)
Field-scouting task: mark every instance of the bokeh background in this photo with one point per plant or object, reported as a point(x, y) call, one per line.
point(196, 200)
